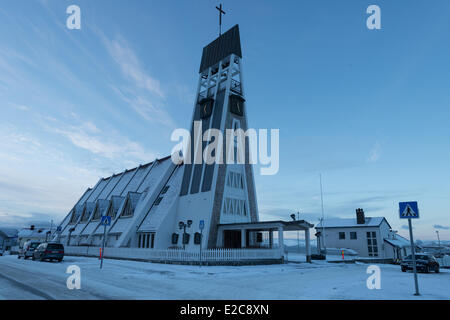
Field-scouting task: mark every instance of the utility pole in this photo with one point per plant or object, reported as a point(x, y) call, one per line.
point(439, 240)
point(413, 252)
point(298, 234)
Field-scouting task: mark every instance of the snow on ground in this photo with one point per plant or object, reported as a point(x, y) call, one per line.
point(121, 279)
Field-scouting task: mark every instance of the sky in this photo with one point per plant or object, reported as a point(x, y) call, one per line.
point(366, 109)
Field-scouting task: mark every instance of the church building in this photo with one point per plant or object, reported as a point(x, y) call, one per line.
point(166, 205)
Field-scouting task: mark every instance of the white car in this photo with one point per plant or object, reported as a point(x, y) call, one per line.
point(28, 249)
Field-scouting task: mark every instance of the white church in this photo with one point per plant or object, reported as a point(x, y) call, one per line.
point(167, 205)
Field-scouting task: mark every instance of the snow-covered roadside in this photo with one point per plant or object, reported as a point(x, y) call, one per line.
point(140, 280)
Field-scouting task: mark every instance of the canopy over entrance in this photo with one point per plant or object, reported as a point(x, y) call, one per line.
point(248, 235)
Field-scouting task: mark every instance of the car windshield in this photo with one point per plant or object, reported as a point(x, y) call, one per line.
point(34, 245)
point(418, 257)
point(55, 246)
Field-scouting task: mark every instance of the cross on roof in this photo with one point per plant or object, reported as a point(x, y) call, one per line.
point(220, 18)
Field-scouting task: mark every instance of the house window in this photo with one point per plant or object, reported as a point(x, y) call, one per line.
point(353, 236)
point(372, 245)
point(341, 235)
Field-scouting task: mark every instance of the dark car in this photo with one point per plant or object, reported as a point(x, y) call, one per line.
point(49, 251)
point(424, 263)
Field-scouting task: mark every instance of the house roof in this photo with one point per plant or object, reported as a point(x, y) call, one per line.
point(351, 223)
point(24, 233)
point(399, 242)
point(9, 232)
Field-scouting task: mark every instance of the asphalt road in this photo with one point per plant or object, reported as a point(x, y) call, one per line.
point(20, 281)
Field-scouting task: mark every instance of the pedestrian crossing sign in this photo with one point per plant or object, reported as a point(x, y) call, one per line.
point(409, 210)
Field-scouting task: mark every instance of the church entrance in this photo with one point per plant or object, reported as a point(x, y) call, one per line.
point(232, 239)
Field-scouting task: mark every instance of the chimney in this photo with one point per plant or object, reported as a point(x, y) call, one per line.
point(360, 219)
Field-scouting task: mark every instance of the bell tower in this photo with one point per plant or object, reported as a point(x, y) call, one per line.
point(218, 193)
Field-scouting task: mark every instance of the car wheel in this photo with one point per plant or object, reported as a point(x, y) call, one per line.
point(403, 270)
point(426, 269)
point(33, 258)
point(60, 260)
point(436, 269)
point(18, 257)
point(41, 259)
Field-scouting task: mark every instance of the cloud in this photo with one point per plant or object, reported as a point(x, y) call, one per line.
point(112, 146)
point(438, 226)
point(151, 111)
point(130, 65)
point(20, 107)
point(25, 220)
point(143, 93)
point(375, 153)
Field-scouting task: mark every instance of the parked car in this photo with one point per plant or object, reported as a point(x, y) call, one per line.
point(28, 249)
point(424, 263)
point(49, 251)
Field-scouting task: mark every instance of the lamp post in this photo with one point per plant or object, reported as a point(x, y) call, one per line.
point(70, 233)
point(182, 225)
point(439, 240)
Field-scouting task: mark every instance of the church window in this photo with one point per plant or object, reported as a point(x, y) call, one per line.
point(206, 107)
point(175, 238)
point(128, 210)
point(237, 105)
point(235, 206)
point(197, 238)
point(97, 214)
point(158, 201)
point(85, 216)
point(164, 190)
point(235, 180)
point(186, 237)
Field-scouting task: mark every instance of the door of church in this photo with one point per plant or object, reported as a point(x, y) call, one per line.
point(232, 239)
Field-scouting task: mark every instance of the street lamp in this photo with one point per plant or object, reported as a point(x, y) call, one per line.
point(439, 240)
point(70, 233)
point(183, 227)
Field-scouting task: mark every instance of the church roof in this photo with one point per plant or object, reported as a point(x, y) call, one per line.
point(117, 186)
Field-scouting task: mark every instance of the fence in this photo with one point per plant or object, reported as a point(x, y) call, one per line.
point(214, 256)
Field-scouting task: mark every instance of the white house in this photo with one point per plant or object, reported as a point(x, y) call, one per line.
point(8, 238)
point(34, 234)
point(368, 236)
